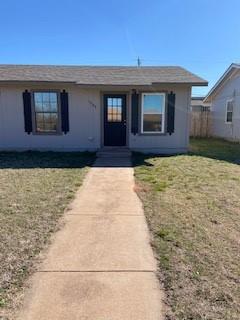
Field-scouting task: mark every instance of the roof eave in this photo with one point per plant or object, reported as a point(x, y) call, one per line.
point(200, 83)
point(191, 83)
point(222, 78)
point(36, 81)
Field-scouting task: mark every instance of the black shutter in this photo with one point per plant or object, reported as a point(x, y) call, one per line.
point(64, 111)
point(27, 108)
point(170, 112)
point(135, 113)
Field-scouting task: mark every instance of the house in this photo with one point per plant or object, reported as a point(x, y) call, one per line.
point(76, 108)
point(197, 104)
point(224, 98)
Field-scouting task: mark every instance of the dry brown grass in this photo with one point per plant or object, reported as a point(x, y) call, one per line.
point(192, 205)
point(35, 189)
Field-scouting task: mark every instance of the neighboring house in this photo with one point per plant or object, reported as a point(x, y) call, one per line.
point(86, 107)
point(224, 98)
point(198, 105)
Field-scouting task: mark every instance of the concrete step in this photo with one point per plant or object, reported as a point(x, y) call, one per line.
point(114, 153)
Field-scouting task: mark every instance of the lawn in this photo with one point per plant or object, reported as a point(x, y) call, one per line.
point(192, 204)
point(35, 189)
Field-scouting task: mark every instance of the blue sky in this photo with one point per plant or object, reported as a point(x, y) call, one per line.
point(200, 35)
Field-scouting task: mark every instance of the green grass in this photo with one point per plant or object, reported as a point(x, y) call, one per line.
point(192, 205)
point(35, 189)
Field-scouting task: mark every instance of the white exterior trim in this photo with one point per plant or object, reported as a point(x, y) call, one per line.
point(226, 112)
point(222, 78)
point(59, 119)
point(163, 113)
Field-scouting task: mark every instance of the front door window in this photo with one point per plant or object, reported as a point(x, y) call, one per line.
point(114, 120)
point(114, 109)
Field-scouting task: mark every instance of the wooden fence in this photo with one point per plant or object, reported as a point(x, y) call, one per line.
point(200, 123)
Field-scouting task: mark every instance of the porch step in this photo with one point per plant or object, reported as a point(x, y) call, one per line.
point(113, 152)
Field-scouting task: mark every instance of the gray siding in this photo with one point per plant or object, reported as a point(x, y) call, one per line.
point(86, 121)
point(165, 143)
point(230, 90)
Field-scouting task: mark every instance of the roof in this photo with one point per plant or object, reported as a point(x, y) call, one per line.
point(199, 101)
point(99, 75)
point(223, 78)
point(198, 98)
point(196, 101)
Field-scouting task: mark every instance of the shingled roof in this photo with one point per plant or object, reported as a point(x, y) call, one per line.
point(234, 67)
point(99, 75)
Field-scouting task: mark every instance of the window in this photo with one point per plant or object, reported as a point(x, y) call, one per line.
point(153, 112)
point(229, 111)
point(46, 112)
point(114, 109)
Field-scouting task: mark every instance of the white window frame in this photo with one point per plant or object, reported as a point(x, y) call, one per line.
point(34, 122)
point(163, 113)
point(228, 122)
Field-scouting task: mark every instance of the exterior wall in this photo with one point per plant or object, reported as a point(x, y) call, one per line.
point(165, 143)
point(86, 121)
point(230, 90)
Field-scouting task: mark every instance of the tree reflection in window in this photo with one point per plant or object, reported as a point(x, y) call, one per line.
point(46, 111)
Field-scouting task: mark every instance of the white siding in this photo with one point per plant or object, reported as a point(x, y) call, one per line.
point(230, 90)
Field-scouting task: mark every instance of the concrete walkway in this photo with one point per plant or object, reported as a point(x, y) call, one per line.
point(100, 266)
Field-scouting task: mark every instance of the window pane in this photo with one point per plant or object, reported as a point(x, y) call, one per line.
point(153, 112)
point(50, 122)
point(38, 97)
point(53, 106)
point(46, 122)
point(45, 106)
point(119, 113)
point(109, 113)
point(39, 122)
point(119, 102)
point(114, 102)
point(114, 109)
point(38, 101)
point(153, 104)
point(38, 106)
point(45, 101)
point(230, 106)
point(45, 96)
point(53, 97)
point(152, 122)
point(229, 116)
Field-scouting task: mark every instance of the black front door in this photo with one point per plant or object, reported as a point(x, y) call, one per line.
point(114, 120)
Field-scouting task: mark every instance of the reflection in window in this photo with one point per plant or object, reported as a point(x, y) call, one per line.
point(114, 109)
point(153, 110)
point(46, 111)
